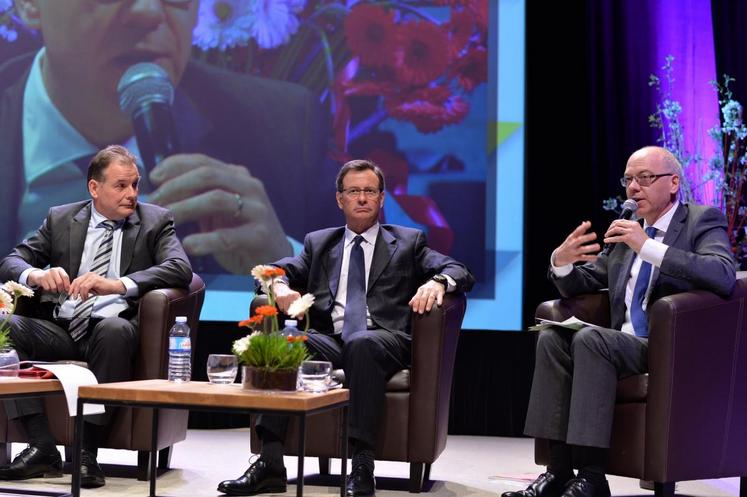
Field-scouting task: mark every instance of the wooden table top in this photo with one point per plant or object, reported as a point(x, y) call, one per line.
point(201, 393)
point(15, 386)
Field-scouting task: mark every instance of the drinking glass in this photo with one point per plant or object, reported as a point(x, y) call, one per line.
point(314, 375)
point(222, 368)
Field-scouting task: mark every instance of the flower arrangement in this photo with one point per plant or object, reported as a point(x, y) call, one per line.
point(266, 347)
point(726, 170)
point(10, 292)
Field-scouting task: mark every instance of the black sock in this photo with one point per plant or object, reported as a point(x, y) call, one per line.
point(591, 462)
point(92, 437)
point(37, 429)
point(561, 459)
point(363, 455)
point(272, 449)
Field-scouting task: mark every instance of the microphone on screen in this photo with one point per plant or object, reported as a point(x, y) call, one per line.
point(628, 209)
point(146, 95)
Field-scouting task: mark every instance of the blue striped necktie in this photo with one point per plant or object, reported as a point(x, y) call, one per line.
point(355, 301)
point(100, 265)
point(637, 314)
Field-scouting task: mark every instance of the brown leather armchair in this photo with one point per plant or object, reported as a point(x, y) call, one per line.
point(416, 416)
point(131, 428)
point(687, 418)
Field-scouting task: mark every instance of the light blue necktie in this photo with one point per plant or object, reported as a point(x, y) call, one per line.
point(355, 301)
point(637, 314)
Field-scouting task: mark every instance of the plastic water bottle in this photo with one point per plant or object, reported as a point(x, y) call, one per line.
point(180, 351)
point(291, 328)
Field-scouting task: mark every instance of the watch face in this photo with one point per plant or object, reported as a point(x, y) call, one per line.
point(440, 278)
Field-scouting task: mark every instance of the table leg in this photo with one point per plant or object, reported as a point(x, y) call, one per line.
point(153, 453)
point(301, 453)
point(77, 447)
point(344, 454)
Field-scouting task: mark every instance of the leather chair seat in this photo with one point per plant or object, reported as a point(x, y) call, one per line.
point(400, 382)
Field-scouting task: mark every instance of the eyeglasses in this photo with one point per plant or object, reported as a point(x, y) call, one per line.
point(642, 179)
point(355, 192)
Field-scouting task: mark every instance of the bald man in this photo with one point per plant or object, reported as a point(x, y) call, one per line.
point(672, 247)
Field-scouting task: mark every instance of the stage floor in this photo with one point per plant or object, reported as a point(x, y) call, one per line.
point(470, 466)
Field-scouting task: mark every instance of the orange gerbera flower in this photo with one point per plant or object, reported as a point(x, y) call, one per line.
point(266, 311)
point(273, 272)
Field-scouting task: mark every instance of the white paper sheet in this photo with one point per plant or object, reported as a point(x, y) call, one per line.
point(572, 323)
point(72, 377)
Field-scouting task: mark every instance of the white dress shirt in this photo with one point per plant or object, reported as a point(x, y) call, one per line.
point(105, 305)
point(652, 251)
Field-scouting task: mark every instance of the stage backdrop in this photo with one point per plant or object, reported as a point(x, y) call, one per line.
point(431, 91)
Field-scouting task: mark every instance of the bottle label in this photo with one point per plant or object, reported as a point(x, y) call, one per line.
point(180, 344)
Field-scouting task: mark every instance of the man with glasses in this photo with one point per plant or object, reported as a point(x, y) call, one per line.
point(249, 143)
point(673, 247)
point(366, 278)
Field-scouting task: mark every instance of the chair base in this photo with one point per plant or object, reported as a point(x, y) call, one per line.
point(420, 473)
point(743, 486)
point(664, 489)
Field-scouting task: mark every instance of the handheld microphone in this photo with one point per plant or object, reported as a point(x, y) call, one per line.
point(628, 208)
point(146, 94)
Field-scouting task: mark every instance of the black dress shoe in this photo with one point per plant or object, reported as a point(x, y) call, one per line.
point(261, 477)
point(546, 485)
point(32, 462)
point(581, 487)
point(361, 482)
point(91, 475)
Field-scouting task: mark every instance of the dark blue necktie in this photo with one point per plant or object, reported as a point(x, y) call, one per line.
point(637, 314)
point(355, 302)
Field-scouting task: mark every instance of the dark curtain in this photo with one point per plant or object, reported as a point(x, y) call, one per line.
point(730, 40)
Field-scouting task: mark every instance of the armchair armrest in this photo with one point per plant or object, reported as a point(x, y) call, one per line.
point(696, 394)
point(590, 307)
point(157, 312)
point(434, 343)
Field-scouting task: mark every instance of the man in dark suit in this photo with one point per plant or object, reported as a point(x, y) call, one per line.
point(678, 247)
point(91, 261)
point(248, 143)
point(366, 278)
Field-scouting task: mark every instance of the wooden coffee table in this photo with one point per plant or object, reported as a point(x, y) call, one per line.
point(14, 388)
point(197, 395)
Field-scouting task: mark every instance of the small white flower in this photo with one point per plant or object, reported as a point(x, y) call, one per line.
point(299, 306)
point(6, 303)
point(275, 21)
point(223, 24)
point(18, 289)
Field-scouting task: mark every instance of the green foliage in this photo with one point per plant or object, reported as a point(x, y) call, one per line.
point(272, 351)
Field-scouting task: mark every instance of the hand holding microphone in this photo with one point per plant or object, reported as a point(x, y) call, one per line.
point(625, 231)
point(628, 209)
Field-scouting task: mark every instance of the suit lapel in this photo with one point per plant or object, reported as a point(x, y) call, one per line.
point(670, 237)
point(333, 263)
point(78, 231)
point(130, 231)
point(386, 246)
point(622, 279)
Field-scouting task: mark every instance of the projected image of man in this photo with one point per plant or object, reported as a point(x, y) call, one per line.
point(247, 144)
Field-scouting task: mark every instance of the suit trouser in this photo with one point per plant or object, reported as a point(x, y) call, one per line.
point(575, 382)
point(108, 348)
point(369, 359)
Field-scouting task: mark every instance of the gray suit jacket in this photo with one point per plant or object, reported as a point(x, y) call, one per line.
point(401, 263)
point(699, 257)
point(152, 255)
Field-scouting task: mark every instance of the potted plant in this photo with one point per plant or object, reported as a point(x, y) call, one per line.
point(269, 359)
point(10, 292)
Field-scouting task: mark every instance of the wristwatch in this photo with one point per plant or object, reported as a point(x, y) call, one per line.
point(440, 278)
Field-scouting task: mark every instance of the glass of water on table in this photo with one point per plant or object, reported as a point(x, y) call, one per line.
point(222, 368)
point(314, 376)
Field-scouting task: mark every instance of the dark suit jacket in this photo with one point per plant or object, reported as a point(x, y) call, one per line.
point(401, 263)
point(273, 128)
point(699, 257)
point(152, 255)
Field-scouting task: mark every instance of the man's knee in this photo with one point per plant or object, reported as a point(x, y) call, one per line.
point(587, 339)
point(116, 332)
point(361, 346)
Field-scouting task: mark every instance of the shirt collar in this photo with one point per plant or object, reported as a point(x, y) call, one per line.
point(369, 235)
point(49, 139)
point(97, 218)
point(662, 224)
